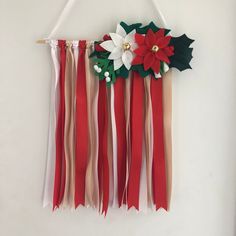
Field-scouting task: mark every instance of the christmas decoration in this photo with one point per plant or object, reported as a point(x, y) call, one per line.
point(146, 49)
point(110, 119)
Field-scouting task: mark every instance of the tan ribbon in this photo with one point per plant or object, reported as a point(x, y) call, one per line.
point(167, 119)
point(148, 138)
point(92, 87)
point(70, 74)
point(127, 117)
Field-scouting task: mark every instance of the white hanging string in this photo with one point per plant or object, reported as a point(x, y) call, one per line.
point(64, 13)
point(159, 12)
point(67, 8)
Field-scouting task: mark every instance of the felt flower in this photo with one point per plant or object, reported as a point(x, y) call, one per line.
point(153, 48)
point(121, 47)
point(98, 47)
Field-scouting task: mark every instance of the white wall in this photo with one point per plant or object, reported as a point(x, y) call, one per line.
point(204, 119)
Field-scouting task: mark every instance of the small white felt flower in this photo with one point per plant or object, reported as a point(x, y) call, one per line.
point(121, 47)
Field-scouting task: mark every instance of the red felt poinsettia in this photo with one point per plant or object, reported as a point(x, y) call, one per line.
point(152, 49)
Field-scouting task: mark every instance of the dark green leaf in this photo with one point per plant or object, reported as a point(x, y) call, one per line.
point(182, 53)
point(129, 28)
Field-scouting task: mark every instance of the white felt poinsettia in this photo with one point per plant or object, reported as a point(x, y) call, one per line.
point(121, 47)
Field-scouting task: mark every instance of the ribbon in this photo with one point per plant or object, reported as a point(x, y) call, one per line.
point(59, 181)
point(114, 145)
point(167, 110)
point(148, 133)
point(69, 125)
point(51, 151)
point(111, 154)
point(143, 201)
point(146, 172)
point(91, 186)
point(137, 96)
point(81, 128)
point(103, 166)
point(127, 99)
point(119, 105)
point(159, 167)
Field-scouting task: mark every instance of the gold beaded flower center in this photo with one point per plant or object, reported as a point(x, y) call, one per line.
point(126, 46)
point(155, 48)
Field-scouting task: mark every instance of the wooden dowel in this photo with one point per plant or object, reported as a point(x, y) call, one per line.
point(41, 41)
point(44, 41)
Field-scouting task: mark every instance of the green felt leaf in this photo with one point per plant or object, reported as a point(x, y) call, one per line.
point(112, 74)
point(182, 40)
point(107, 66)
point(141, 71)
point(129, 28)
point(141, 30)
point(182, 53)
point(93, 54)
point(151, 26)
point(145, 28)
point(122, 72)
point(162, 68)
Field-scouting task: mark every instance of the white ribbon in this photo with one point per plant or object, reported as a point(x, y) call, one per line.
point(114, 149)
point(51, 151)
point(159, 12)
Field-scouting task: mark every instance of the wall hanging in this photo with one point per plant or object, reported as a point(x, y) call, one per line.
point(110, 118)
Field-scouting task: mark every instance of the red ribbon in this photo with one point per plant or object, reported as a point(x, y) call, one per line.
point(59, 180)
point(119, 105)
point(81, 128)
point(159, 166)
point(103, 166)
point(137, 97)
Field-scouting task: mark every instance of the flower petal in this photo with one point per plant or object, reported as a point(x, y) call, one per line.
point(140, 39)
point(108, 45)
point(131, 40)
point(117, 63)
point(150, 38)
point(117, 39)
point(120, 30)
point(116, 53)
point(141, 51)
point(130, 37)
point(160, 33)
point(133, 46)
point(156, 66)
point(149, 59)
point(137, 60)
point(162, 56)
point(127, 58)
point(106, 37)
point(163, 42)
point(98, 48)
point(157, 75)
point(165, 67)
point(169, 51)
